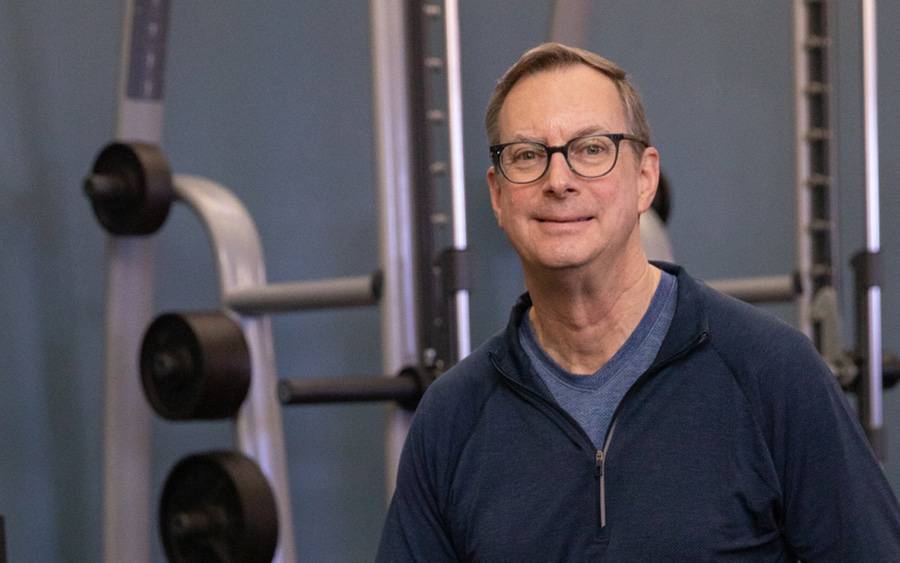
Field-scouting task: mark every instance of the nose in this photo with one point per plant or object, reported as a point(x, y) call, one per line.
point(559, 176)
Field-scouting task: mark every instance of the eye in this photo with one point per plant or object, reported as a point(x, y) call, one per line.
point(525, 154)
point(592, 147)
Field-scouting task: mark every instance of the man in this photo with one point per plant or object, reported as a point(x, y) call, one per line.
point(628, 412)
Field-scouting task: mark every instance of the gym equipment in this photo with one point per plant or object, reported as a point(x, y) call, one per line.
point(195, 366)
point(295, 296)
point(569, 22)
point(406, 388)
point(425, 310)
point(812, 288)
point(441, 272)
point(129, 300)
point(130, 188)
point(759, 289)
point(218, 507)
point(827, 323)
point(127, 427)
point(174, 358)
point(868, 333)
point(817, 228)
point(654, 237)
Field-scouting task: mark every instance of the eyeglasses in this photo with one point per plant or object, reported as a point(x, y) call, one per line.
point(590, 156)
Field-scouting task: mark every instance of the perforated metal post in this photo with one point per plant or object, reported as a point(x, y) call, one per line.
point(817, 229)
point(438, 182)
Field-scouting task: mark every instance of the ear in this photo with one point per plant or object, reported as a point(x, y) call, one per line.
point(648, 178)
point(494, 187)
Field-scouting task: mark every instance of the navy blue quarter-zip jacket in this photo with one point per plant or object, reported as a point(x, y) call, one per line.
point(735, 445)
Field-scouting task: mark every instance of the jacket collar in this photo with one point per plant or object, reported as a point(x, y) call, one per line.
point(689, 327)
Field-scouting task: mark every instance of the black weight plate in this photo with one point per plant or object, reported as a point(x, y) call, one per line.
point(144, 168)
point(217, 507)
point(195, 366)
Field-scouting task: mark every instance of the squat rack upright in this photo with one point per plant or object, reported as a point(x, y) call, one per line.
point(131, 266)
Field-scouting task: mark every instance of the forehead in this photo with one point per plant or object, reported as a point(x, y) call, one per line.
point(553, 105)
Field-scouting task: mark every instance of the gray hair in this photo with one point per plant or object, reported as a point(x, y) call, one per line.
point(548, 56)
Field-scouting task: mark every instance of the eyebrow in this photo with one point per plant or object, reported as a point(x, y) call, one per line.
point(584, 131)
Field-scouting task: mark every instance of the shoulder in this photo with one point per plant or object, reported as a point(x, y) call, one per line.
point(749, 339)
point(465, 385)
point(779, 370)
point(452, 404)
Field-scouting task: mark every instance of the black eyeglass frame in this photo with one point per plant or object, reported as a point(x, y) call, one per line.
point(616, 138)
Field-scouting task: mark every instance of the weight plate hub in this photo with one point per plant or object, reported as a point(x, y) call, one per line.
point(218, 507)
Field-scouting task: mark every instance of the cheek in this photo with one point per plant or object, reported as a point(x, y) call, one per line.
point(620, 208)
point(511, 211)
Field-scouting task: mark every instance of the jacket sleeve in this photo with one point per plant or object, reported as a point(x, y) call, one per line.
point(838, 505)
point(415, 528)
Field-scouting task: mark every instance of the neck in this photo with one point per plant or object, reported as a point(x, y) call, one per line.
point(581, 319)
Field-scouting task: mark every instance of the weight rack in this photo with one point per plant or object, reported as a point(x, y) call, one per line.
point(245, 295)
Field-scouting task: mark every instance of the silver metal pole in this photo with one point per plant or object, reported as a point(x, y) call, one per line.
point(304, 296)
point(873, 415)
point(239, 261)
point(129, 301)
point(570, 22)
point(393, 156)
point(802, 170)
point(760, 289)
point(457, 167)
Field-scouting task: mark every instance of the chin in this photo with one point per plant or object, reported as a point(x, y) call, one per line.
point(565, 261)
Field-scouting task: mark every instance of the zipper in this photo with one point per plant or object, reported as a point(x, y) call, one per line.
point(600, 456)
point(601, 486)
point(600, 464)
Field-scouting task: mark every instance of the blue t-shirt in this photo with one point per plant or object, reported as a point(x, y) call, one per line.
point(592, 399)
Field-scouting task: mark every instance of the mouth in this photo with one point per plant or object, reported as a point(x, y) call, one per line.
point(564, 220)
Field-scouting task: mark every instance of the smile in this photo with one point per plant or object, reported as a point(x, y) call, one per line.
point(563, 220)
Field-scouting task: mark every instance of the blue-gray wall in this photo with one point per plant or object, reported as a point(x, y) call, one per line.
point(273, 99)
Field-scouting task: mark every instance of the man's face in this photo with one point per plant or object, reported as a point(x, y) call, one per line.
point(563, 220)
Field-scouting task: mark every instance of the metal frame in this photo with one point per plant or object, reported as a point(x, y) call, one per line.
point(394, 170)
point(239, 262)
point(817, 228)
point(355, 291)
point(762, 289)
point(457, 168)
point(418, 323)
point(129, 304)
point(869, 329)
point(437, 172)
point(241, 273)
point(569, 21)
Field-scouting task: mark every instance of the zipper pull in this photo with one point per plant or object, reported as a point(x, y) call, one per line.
point(601, 485)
